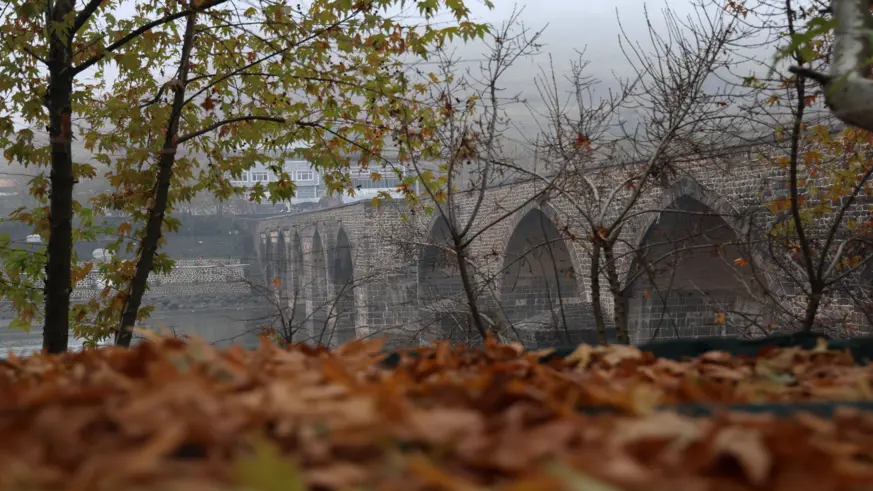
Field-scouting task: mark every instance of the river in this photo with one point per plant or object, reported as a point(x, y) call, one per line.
point(220, 326)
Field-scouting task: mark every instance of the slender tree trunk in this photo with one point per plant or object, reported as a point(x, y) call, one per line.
point(622, 335)
point(468, 290)
point(812, 305)
point(149, 244)
point(595, 293)
point(55, 334)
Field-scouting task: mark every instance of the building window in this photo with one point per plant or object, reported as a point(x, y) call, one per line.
point(244, 177)
point(306, 192)
point(304, 175)
point(390, 182)
point(260, 176)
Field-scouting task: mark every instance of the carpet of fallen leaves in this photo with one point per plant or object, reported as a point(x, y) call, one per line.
point(169, 415)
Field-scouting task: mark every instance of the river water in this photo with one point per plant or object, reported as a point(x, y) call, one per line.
point(219, 326)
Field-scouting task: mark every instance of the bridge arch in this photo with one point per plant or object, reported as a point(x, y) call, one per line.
point(269, 260)
point(296, 295)
point(695, 283)
point(441, 299)
point(690, 188)
point(282, 262)
point(540, 276)
point(318, 290)
point(342, 275)
point(262, 254)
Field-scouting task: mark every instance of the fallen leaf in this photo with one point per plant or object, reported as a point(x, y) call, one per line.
point(749, 450)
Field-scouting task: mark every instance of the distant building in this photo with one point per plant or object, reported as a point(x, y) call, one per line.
point(311, 188)
point(8, 187)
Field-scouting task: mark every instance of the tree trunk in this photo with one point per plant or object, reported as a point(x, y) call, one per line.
point(595, 293)
point(622, 336)
point(149, 244)
point(813, 303)
point(56, 330)
point(468, 290)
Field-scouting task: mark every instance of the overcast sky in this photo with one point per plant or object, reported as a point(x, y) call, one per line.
point(570, 25)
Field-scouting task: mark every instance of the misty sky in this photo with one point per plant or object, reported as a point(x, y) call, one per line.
point(570, 25)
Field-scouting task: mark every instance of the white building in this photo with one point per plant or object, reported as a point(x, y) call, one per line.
point(311, 187)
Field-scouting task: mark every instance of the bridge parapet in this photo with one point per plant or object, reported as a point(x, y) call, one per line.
point(531, 258)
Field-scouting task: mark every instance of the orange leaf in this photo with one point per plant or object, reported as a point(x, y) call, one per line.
point(740, 262)
point(583, 142)
point(435, 476)
point(720, 318)
point(277, 282)
point(208, 104)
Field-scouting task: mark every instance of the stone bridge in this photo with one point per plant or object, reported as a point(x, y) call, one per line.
point(360, 270)
point(192, 282)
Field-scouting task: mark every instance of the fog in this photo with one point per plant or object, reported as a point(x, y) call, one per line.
point(568, 28)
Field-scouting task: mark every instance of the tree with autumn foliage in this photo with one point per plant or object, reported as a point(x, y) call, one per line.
point(815, 226)
point(467, 141)
point(665, 113)
point(174, 98)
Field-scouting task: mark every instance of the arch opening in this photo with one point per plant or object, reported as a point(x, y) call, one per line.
point(318, 289)
point(295, 291)
point(269, 262)
point(539, 290)
point(282, 264)
point(696, 284)
point(441, 298)
point(343, 279)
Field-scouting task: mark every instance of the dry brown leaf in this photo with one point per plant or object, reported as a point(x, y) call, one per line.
point(482, 418)
point(748, 448)
point(581, 356)
point(444, 425)
point(618, 353)
point(660, 426)
point(340, 476)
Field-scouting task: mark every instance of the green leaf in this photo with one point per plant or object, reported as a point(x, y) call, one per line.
point(267, 470)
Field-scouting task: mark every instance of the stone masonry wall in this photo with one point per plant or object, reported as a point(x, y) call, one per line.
point(405, 289)
point(190, 282)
